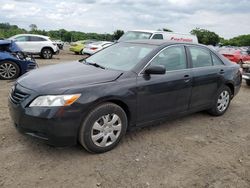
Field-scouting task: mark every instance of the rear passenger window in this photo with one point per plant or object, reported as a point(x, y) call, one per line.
point(200, 57)
point(216, 60)
point(157, 36)
point(173, 58)
point(36, 39)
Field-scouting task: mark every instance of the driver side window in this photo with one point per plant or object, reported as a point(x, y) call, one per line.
point(173, 58)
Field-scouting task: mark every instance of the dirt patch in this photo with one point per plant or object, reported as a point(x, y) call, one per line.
point(193, 151)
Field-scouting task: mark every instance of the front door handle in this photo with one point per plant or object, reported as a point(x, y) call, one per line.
point(222, 71)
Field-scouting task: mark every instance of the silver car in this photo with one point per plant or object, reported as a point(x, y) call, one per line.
point(95, 47)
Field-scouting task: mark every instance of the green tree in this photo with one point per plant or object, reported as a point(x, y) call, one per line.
point(33, 27)
point(242, 40)
point(206, 37)
point(117, 34)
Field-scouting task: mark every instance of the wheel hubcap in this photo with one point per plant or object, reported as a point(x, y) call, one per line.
point(106, 130)
point(223, 101)
point(7, 70)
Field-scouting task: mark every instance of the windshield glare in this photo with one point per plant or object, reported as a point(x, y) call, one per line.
point(135, 35)
point(121, 56)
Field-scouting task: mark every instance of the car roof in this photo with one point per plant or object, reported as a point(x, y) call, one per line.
point(145, 30)
point(33, 35)
point(157, 42)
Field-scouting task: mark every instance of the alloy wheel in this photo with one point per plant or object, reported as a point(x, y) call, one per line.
point(223, 101)
point(8, 70)
point(47, 54)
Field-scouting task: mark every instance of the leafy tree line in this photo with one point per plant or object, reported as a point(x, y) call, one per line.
point(7, 30)
point(204, 36)
point(211, 38)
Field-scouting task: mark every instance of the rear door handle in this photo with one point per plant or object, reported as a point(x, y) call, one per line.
point(187, 78)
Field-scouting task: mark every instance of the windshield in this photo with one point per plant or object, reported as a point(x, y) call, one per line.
point(135, 35)
point(121, 56)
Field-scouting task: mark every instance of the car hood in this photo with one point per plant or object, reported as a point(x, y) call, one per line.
point(62, 77)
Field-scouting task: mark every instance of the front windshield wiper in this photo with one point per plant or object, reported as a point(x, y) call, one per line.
point(96, 65)
point(93, 64)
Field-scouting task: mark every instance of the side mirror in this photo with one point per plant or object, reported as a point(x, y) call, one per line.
point(155, 69)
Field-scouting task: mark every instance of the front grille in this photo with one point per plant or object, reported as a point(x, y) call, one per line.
point(17, 96)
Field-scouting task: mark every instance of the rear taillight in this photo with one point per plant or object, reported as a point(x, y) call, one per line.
point(93, 48)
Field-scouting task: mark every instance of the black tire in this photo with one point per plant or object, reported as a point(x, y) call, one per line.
point(215, 111)
point(47, 53)
point(77, 53)
point(248, 82)
point(9, 70)
point(82, 53)
point(87, 131)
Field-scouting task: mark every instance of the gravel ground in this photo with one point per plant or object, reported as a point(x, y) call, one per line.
point(193, 151)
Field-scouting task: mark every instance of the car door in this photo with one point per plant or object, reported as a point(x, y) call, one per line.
point(166, 94)
point(22, 42)
point(207, 76)
point(36, 44)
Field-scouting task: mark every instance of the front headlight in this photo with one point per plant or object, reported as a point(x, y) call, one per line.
point(54, 100)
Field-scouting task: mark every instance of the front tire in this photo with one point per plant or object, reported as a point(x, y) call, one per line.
point(103, 128)
point(221, 102)
point(47, 53)
point(9, 70)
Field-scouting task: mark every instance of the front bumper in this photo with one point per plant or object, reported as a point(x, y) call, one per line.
point(56, 126)
point(56, 52)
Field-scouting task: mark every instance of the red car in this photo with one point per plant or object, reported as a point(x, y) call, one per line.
point(236, 56)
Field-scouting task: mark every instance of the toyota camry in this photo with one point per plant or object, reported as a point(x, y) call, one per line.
point(127, 85)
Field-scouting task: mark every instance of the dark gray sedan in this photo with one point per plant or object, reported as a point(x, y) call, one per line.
point(126, 85)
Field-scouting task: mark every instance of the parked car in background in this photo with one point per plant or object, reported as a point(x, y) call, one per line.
point(246, 72)
point(126, 85)
point(92, 48)
point(36, 44)
point(59, 43)
point(237, 56)
point(162, 35)
point(78, 46)
point(13, 62)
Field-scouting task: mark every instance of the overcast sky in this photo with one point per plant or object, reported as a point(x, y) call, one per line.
point(228, 18)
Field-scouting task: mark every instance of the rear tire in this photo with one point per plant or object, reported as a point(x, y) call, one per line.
point(221, 101)
point(248, 82)
point(47, 53)
point(9, 70)
point(103, 128)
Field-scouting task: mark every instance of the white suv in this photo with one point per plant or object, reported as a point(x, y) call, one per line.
point(36, 44)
